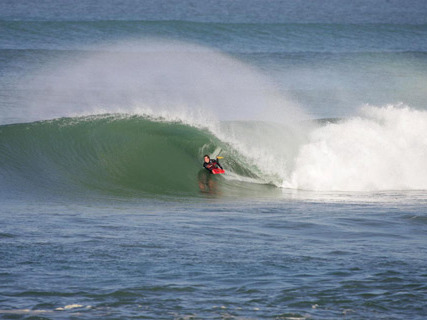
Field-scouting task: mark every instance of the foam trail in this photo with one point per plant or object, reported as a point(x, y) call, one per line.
point(383, 149)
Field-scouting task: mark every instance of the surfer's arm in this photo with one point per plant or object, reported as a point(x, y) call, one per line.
point(217, 163)
point(205, 165)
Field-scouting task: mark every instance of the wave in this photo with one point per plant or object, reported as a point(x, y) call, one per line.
point(168, 103)
point(116, 154)
point(138, 118)
point(383, 149)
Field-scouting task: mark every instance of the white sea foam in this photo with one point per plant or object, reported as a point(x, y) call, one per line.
point(385, 148)
point(69, 307)
point(25, 311)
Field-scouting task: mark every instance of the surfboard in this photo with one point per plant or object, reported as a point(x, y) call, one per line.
point(218, 171)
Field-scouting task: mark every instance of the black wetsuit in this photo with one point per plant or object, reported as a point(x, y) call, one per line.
point(212, 164)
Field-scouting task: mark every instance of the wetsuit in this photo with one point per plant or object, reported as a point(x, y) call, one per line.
point(212, 164)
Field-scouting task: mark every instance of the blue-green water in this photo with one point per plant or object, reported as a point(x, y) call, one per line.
point(319, 110)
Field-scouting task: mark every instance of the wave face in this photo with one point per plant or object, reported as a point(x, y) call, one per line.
point(105, 153)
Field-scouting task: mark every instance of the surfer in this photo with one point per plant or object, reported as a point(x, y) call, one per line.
point(205, 177)
point(210, 164)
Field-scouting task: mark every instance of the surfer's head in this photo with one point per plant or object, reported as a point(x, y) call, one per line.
point(207, 158)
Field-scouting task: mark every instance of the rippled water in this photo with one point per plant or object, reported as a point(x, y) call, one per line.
point(215, 259)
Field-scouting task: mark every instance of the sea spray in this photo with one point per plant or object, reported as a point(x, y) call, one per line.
point(174, 80)
point(271, 147)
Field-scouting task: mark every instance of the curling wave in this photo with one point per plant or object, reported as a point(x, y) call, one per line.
point(382, 149)
point(109, 153)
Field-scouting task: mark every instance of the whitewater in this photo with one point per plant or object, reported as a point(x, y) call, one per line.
point(318, 110)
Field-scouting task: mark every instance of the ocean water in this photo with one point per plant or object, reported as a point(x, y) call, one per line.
point(317, 108)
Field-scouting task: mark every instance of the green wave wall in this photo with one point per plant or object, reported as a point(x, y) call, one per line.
point(110, 154)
